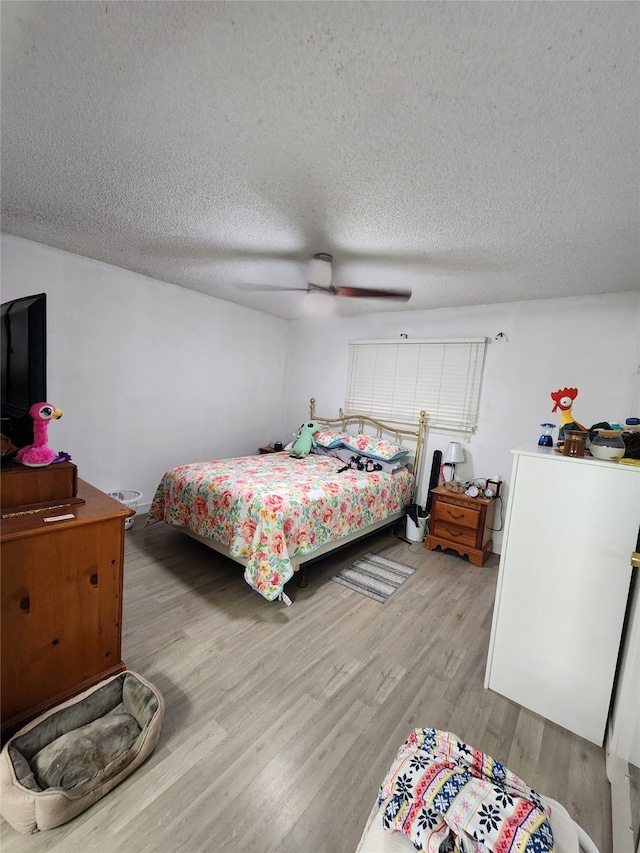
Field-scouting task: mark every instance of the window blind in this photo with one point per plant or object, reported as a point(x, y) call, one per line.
point(395, 380)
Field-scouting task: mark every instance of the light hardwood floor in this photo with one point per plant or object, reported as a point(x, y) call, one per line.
point(281, 722)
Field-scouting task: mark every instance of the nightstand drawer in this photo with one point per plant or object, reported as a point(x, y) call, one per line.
point(462, 523)
point(455, 514)
point(456, 535)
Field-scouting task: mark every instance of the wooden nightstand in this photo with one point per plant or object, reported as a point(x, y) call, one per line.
point(462, 523)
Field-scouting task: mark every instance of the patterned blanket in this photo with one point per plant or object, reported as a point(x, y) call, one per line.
point(447, 796)
point(267, 509)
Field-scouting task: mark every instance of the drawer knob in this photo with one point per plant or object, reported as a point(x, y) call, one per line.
point(453, 514)
point(25, 604)
point(93, 580)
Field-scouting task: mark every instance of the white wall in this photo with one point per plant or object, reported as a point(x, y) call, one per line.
point(148, 375)
point(591, 343)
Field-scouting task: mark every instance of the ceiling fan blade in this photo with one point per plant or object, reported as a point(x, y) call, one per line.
point(370, 293)
point(270, 288)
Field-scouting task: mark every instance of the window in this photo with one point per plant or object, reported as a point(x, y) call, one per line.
point(395, 380)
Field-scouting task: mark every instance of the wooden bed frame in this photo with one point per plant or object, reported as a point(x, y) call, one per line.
point(396, 432)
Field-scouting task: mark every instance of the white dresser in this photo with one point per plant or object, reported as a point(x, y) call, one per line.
point(570, 527)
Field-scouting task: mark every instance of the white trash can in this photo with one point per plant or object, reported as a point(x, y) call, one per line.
point(415, 532)
point(130, 498)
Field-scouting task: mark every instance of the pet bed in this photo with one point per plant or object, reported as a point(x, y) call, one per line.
point(69, 757)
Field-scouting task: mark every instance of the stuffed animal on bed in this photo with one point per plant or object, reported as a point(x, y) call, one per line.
point(305, 440)
point(361, 463)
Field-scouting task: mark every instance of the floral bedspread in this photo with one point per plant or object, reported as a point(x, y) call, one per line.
point(267, 509)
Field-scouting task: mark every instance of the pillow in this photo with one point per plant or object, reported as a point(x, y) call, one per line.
point(328, 437)
point(319, 450)
point(375, 448)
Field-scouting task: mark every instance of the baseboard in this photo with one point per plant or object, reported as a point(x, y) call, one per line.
point(621, 817)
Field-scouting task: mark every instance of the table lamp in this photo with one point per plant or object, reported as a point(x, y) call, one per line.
point(453, 454)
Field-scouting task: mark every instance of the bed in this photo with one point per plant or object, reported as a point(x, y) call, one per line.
point(271, 513)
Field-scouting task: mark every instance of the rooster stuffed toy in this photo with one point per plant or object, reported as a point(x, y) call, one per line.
point(563, 399)
point(39, 454)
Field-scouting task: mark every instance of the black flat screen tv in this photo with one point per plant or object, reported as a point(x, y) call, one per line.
point(24, 364)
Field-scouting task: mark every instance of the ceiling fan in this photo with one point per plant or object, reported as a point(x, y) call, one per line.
point(320, 288)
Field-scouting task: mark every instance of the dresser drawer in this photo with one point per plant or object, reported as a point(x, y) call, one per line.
point(454, 514)
point(455, 534)
point(61, 604)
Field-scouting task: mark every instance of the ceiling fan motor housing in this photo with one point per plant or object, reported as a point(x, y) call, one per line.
point(320, 272)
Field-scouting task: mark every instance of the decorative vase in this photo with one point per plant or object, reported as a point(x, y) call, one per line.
point(608, 444)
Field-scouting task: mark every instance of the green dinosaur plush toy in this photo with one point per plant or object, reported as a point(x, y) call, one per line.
point(305, 440)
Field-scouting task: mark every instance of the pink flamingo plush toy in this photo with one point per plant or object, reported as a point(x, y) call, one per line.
point(39, 454)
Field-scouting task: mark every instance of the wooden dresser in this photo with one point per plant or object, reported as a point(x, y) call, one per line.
point(61, 600)
point(462, 523)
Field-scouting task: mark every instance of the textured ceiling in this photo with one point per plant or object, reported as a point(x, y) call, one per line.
point(475, 152)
